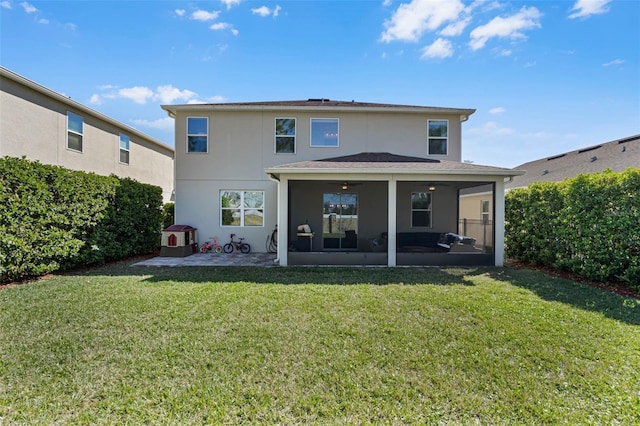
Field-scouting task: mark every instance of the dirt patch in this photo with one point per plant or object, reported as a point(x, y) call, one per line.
point(617, 287)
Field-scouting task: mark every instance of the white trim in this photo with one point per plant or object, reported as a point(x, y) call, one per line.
point(74, 132)
point(275, 136)
point(196, 134)
point(311, 145)
point(430, 210)
point(120, 149)
point(438, 137)
point(242, 208)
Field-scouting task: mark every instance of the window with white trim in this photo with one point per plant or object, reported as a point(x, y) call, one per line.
point(197, 135)
point(438, 137)
point(124, 148)
point(241, 208)
point(285, 136)
point(421, 209)
point(485, 211)
point(325, 132)
point(75, 131)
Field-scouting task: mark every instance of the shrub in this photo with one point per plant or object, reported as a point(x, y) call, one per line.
point(52, 218)
point(168, 215)
point(589, 225)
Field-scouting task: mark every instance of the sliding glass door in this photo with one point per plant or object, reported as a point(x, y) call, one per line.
point(340, 221)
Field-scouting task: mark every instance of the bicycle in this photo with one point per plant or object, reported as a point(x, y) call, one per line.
point(237, 245)
point(217, 248)
point(272, 241)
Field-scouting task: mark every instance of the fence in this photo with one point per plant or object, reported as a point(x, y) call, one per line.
point(480, 230)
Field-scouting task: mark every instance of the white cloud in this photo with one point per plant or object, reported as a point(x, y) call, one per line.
point(95, 100)
point(506, 27)
point(138, 94)
point(491, 128)
point(219, 26)
point(203, 15)
point(42, 21)
point(614, 62)
point(386, 2)
point(230, 3)
point(586, 8)
point(456, 28)
point(180, 12)
point(441, 48)
point(5, 4)
point(496, 110)
point(262, 11)
point(411, 20)
point(28, 7)
point(265, 11)
point(166, 123)
point(167, 94)
point(505, 52)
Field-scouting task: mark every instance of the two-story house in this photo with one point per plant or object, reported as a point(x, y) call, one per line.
point(375, 184)
point(46, 126)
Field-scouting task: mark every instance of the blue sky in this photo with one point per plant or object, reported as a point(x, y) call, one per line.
point(544, 76)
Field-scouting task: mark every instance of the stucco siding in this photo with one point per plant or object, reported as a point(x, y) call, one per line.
point(33, 123)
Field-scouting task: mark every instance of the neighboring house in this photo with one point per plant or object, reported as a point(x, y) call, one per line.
point(617, 155)
point(476, 204)
point(377, 184)
point(44, 125)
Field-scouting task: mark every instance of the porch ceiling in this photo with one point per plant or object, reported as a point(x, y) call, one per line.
point(372, 163)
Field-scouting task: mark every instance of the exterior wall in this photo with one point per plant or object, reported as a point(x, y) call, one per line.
point(34, 125)
point(241, 145)
point(471, 205)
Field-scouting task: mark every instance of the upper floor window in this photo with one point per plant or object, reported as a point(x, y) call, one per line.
point(242, 208)
point(197, 134)
point(285, 135)
point(124, 148)
point(325, 132)
point(421, 209)
point(438, 137)
point(75, 131)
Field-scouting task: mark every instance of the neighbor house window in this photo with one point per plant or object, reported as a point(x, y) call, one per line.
point(197, 134)
point(124, 149)
point(485, 211)
point(75, 131)
point(285, 135)
point(438, 136)
point(421, 209)
point(325, 132)
point(242, 208)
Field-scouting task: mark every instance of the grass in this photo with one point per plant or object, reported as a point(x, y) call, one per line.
point(317, 345)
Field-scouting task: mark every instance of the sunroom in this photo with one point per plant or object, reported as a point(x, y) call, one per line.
point(385, 209)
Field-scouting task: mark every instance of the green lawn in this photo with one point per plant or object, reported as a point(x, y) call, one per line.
point(317, 345)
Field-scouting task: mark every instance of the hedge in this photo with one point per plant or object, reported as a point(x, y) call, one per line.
point(589, 225)
point(52, 218)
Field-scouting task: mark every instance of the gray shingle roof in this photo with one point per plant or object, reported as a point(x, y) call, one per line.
point(384, 162)
point(617, 155)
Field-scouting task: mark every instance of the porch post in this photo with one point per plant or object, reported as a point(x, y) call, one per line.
point(391, 225)
point(498, 221)
point(283, 220)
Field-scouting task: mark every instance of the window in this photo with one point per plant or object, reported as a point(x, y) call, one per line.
point(485, 211)
point(285, 135)
point(124, 149)
point(242, 208)
point(197, 134)
point(421, 209)
point(324, 132)
point(438, 135)
point(75, 131)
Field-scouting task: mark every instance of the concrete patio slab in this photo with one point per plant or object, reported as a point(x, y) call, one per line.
point(211, 259)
